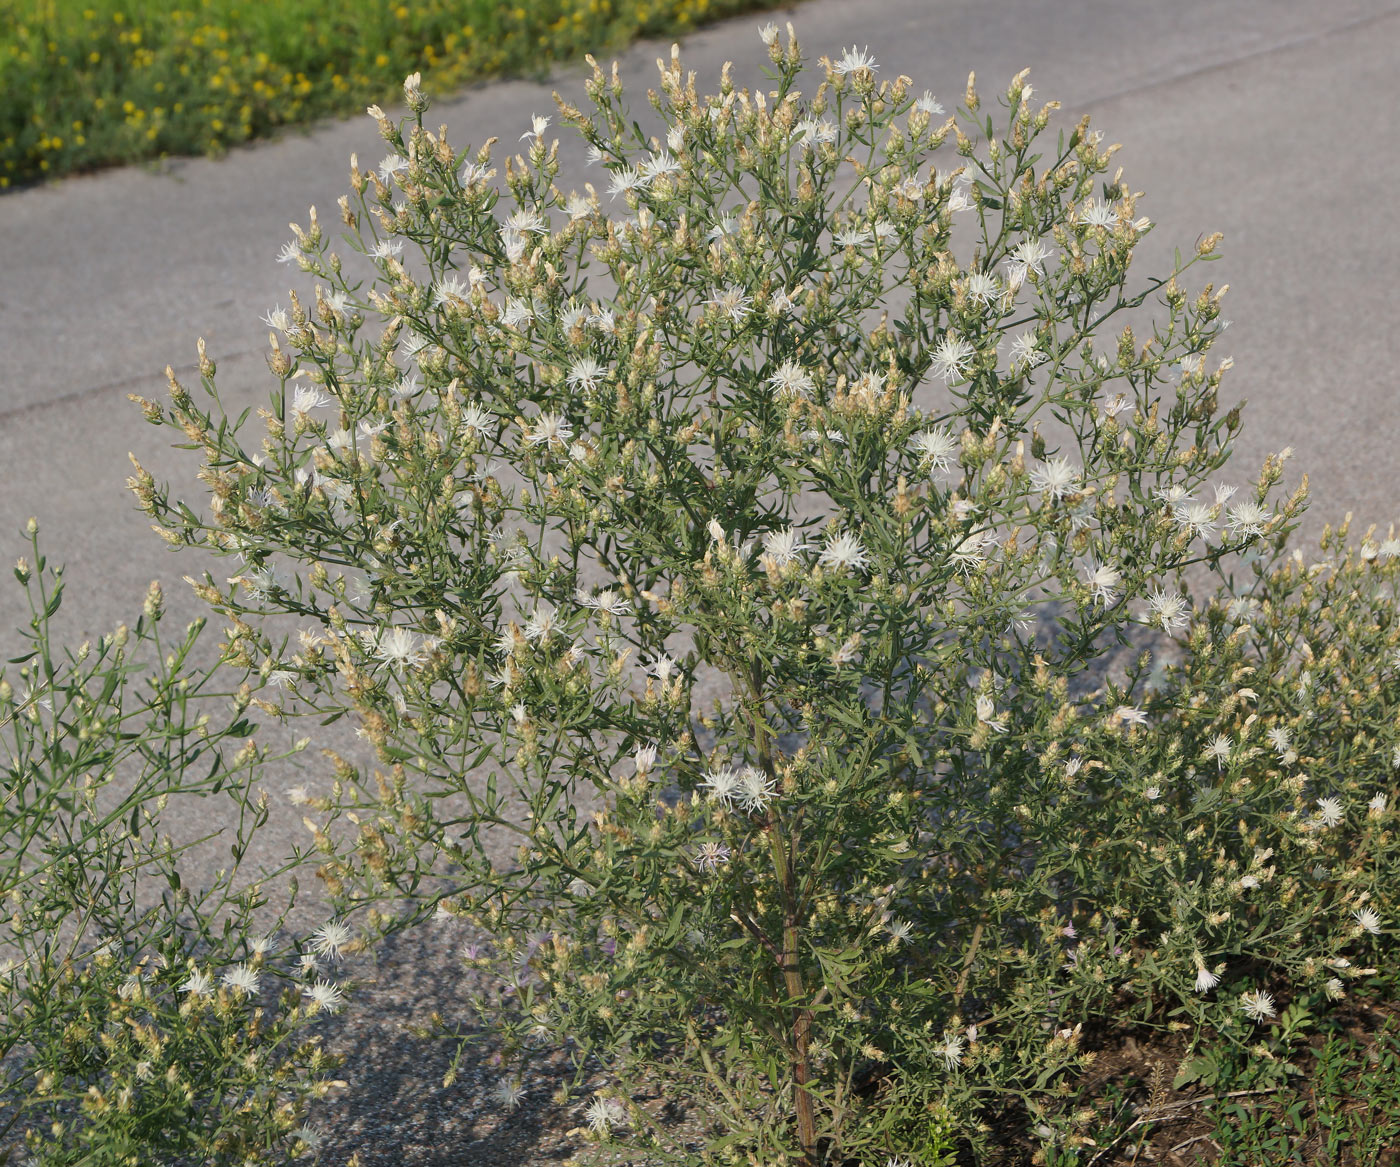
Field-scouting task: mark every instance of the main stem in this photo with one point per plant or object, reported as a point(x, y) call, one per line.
point(789, 962)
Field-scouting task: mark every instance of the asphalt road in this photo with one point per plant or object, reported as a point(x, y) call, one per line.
point(1273, 121)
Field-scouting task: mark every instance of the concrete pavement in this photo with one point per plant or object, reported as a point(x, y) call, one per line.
point(1273, 121)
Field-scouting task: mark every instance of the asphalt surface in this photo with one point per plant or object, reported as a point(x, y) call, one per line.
point(1273, 121)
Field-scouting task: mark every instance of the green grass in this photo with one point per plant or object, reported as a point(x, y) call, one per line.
point(92, 83)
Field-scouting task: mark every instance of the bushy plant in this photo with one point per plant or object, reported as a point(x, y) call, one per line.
point(135, 1032)
point(779, 508)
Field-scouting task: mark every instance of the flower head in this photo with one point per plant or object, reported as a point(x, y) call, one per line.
point(936, 447)
point(732, 302)
point(853, 60)
point(325, 996)
point(509, 1092)
point(1330, 811)
point(783, 546)
point(1368, 920)
point(951, 357)
point(1257, 1006)
point(331, 939)
point(792, 380)
point(1205, 980)
point(1055, 478)
point(241, 978)
point(710, 855)
point(549, 429)
point(843, 552)
point(1102, 581)
point(1169, 611)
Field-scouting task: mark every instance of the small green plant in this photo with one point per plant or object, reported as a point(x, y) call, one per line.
point(94, 82)
point(133, 1031)
point(743, 551)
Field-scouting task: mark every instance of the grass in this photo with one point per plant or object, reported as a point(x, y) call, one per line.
point(92, 83)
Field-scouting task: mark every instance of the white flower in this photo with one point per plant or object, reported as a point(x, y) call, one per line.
point(200, 984)
point(1128, 715)
point(1280, 739)
point(474, 172)
point(1113, 406)
point(722, 784)
point(755, 789)
point(514, 243)
point(899, 930)
point(851, 237)
point(1376, 807)
point(1330, 811)
point(986, 713)
point(474, 418)
point(603, 1113)
point(1028, 256)
point(1152, 793)
point(852, 60)
point(549, 428)
point(644, 759)
point(509, 1092)
point(951, 1049)
point(815, 130)
point(1334, 989)
point(951, 357)
point(331, 938)
point(1197, 518)
point(710, 855)
point(1057, 477)
point(732, 302)
point(538, 124)
point(958, 200)
point(768, 34)
point(542, 622)
point(585, 373)
point(277, 318)
point(1219, 749)
point(1368, 919)
point(1169, 611)
point(659, 164)
point(400, 648)
point(1257, 1006)
point(936, 447)
point(325, 996)
point(1102, 581)
point(605, 600)
point(1249, 882)
point(579, 206)
point(241, 978)
point(1247, 519)
point(983, 287)
point(783, 546)
point(1093, 213)
point(792, 380)
point(1205, 980)
point(843, 551)
point(626, 179)
point(526, 220)
point(290, 253)
point(928, 104)
point(385, 248)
